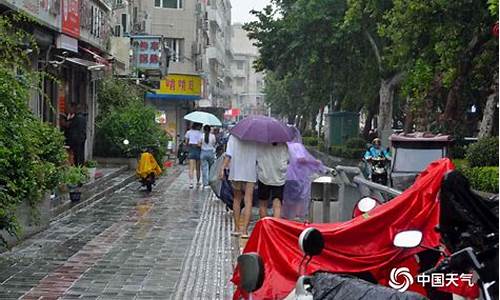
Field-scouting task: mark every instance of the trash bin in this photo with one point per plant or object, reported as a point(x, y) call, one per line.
point(324, 197)
point(343, 126)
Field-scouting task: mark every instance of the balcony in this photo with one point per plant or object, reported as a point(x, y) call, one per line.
point(215, 17)
point(214, 53)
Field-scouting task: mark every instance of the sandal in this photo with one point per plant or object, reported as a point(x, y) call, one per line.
point(235, 233)
point(245, 236)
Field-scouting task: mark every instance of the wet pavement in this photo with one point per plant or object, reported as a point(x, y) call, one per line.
point(171, 244)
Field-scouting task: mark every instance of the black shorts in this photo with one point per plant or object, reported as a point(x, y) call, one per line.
point(270, 191)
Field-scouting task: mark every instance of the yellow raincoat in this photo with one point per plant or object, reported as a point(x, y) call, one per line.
point(147, 164)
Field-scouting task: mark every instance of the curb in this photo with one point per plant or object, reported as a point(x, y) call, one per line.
point(65, 211)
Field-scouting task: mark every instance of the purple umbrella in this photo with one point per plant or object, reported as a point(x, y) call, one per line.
point(262, 129)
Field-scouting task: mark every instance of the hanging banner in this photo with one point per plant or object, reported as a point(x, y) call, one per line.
point(70, 23)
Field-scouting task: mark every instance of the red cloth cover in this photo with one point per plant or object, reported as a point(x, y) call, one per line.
point(361, 244)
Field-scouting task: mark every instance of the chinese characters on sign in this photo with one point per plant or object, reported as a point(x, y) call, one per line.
point(147, 52)
point(176, 84)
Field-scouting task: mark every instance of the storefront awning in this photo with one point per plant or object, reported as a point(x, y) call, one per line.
point(90, 65)
point(170, 97)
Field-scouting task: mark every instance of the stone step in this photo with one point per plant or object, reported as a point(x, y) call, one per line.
point(95, 191)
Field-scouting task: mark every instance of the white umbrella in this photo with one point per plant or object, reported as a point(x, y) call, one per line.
point(203, 118)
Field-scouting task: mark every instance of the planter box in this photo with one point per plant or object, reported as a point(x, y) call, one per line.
point(29, 225)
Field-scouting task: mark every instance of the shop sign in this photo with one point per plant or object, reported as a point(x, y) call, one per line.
point(146, 52)
point(179, 84)
point(66, 42)
point(70, 23)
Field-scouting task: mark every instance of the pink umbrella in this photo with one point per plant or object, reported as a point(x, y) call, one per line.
point(262, 129)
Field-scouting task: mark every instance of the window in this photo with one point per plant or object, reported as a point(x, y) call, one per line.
point(175, 46)
point(415, 160)
point(117, 30)
point(118, 2)
point(124, 22)
point(169, 4)
point(239, 65)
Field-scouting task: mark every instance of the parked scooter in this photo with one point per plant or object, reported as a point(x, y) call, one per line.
point(378, 166)
point(147, 167)
point(182, 153)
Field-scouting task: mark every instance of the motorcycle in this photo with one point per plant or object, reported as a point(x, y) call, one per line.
point(322, 285)
point(182, 153)
point(378, 166)
point(469, 229)
point(147, 168)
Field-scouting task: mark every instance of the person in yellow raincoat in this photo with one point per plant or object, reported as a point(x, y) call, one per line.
point(147, 165)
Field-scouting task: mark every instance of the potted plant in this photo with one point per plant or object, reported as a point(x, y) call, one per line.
point(91, 167)
point(75, 177)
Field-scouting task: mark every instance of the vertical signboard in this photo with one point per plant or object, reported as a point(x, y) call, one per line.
point(146, 52)
point(70, 23)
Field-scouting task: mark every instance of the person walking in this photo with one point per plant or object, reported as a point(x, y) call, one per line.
point(272, 165)
point(193, 140)
point(207, 155)
point(77, 133)
point(241, 158)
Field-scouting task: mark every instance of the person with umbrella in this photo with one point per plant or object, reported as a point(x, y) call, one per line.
point(207, 152)
point(272, 165)
point(193, 140)
point(241, 158)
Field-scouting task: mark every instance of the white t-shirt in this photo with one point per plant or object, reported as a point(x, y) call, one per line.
point(211, 142)
point(243, 160)
point(272, 163)
point(193, 136)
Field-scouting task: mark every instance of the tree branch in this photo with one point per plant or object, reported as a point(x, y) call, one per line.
point(375, 49)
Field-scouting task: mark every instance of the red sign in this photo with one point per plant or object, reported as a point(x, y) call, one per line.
point(70, 22)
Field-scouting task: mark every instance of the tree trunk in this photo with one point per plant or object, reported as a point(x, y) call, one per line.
point(474, 48)
point(320, 127)
point(489, 111)
point(368, 123)
point(313, 121)
point(386, 92)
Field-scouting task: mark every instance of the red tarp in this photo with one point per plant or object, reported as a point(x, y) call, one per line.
point(359, 245)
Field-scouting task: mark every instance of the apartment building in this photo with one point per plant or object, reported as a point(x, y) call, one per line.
point(197, 34)
point(248, 85)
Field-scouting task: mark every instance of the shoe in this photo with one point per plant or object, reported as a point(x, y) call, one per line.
point(235, 233)
point(190, 185)
point(244, 236)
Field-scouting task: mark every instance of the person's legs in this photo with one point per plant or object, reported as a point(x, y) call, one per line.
point(277, 196)
point(276, 207)
point(198, 171)
point(237, 205)
point(204, 166)
point(263, 198)
point(192, 166)
point(247, 210)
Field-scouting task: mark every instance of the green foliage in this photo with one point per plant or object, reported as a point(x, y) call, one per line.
point(483, 178)
point(75, 176)
point(310, 141)
point(115, 93)
point(91, 164)
point(31, 152)
point(484, 153)
point(136, 123)
point(457, 152)
point(356, 143)
point(346, 152)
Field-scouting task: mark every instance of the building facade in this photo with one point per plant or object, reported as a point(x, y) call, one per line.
point(72, 37)
point(248, 85)
point(197, 34)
